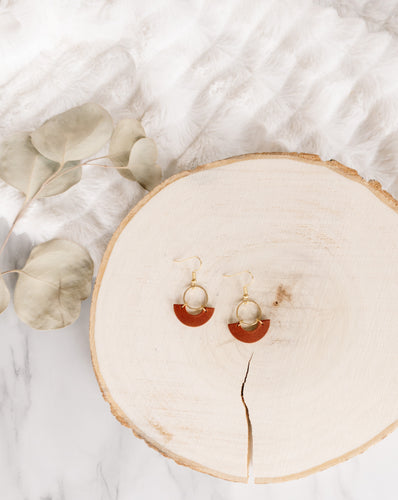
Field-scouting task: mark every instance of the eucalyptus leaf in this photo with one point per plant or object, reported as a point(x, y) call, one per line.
point(4, 295)
point(142, 165)
point(55, 279)
point(126, 134)
point(75, 134)
point(24, 168)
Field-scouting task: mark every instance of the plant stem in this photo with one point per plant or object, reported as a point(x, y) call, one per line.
point(10, 271)
point(88, 165)
point(26, 204)
point(58, 173)
point(19, 215)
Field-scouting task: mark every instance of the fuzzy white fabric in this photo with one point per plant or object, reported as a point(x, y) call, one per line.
point(379, 15)
point(209, 80)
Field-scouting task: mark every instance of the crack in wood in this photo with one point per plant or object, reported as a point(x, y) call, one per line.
point(249, 424)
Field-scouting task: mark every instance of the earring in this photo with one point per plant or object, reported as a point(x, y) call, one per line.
point(200, 315)
point(261, 325)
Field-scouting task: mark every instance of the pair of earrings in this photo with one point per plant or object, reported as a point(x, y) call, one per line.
point(242, 330)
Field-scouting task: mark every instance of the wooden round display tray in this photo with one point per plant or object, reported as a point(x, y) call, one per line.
point(322, 385)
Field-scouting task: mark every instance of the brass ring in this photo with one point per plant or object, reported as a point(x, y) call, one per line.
point(245, 323)
point(203, 306)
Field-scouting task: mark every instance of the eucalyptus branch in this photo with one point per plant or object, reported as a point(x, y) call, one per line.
point(68, 170)
point(26, 205)
point(56, 175)
point(27, 157)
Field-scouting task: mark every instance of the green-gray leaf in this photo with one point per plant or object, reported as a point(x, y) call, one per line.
point(126, 133)
point(55, 279)
point(142, 165)
point(24, 168)
point(4, 295)
point(75, 134)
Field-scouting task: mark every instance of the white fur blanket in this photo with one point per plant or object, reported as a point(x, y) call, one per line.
point(210, 79)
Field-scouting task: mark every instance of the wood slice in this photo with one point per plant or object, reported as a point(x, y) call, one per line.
point(322, 385)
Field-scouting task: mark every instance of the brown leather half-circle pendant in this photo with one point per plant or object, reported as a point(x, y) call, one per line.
point(193, 319)
point(249, 336)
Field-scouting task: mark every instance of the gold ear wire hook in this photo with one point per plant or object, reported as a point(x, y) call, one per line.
point(245, 292)
point(245, 300)
point(193, 281)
